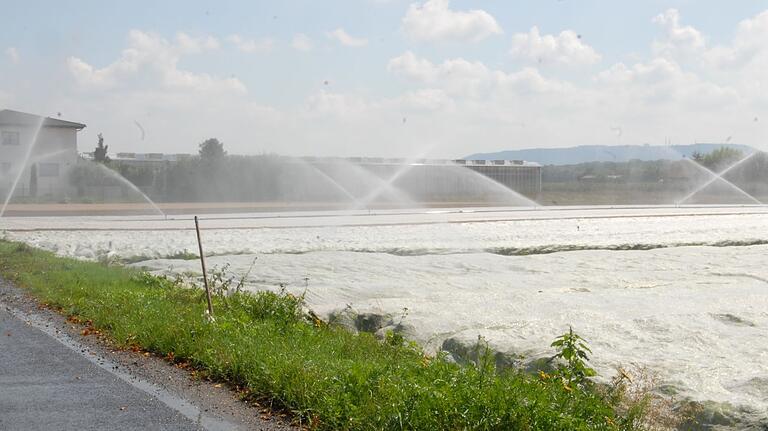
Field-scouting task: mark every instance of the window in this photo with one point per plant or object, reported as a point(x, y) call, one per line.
point(48, 169)
point(5, 167)
point(10, 138)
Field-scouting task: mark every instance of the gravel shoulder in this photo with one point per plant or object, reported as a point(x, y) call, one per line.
point(57, 375)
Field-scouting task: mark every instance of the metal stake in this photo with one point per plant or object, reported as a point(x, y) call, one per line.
point(202, 263)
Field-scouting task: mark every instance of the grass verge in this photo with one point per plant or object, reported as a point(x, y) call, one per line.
point(327, 377)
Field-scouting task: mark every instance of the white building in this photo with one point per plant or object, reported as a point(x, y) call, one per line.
point(37, 151)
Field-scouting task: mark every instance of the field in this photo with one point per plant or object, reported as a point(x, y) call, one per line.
point(679, 291)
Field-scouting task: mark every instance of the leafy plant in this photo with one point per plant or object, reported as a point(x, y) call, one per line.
point(280, 307)
point(223, 284)
point(573, 350)
point(219, 281)
point(394, 339)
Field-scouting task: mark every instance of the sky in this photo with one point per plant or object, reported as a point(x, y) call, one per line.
point(390, 78)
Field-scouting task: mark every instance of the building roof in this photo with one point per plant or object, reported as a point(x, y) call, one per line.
point(149, 157)
point(430, 162)
point(15, 118)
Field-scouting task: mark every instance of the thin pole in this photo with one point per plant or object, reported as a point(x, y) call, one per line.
point(202, 263)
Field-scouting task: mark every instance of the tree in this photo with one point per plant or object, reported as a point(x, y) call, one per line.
point(100, 153)
point(212, 150)
point(721, 158)
point(697, 156)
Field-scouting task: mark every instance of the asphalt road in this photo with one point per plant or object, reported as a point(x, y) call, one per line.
point(50, 383)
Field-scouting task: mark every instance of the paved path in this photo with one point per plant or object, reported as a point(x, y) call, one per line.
point(47, 383)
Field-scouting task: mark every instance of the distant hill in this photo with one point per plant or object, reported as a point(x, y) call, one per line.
point(605, 153)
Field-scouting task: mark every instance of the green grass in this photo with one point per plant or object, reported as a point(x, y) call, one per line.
point(327, 377)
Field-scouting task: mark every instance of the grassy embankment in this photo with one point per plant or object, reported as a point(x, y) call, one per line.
point(327, 377)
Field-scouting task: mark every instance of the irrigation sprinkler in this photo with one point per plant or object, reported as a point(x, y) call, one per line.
point(205, 276)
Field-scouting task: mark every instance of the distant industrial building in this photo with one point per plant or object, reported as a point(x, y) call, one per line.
point(421, 180)
point(519, 175)
point(149, 160)
point(438, 180)
point(38, 159)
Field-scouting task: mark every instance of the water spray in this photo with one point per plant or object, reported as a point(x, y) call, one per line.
point(27, 157)
point(116, 175)
point(719, 176)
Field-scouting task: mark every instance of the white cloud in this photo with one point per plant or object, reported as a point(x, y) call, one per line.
point(152, 61)
point(470, 79)
point(686, 43)
point(750, 43)
point(662, 82)
point(427, 99)
point(739, 64)
point(346, 39)
point(648, 99)
point(410, 66)
point(177, 107)
point(191, 45)
point(13, 55)
point(301, 42)
point(435, 21)
point(335, 104)
point(678, 40)
point(656, 71)
point(564, 48)
point(250, 46)
point(456, 76)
